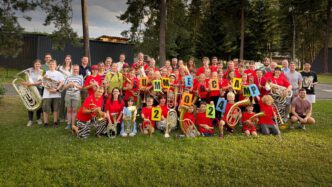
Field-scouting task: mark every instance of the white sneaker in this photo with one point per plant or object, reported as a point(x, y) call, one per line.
point(124, 135)
point(167, 135)
point(29, 123)
point(132, 134)
point(303, 127)
point(39, 122)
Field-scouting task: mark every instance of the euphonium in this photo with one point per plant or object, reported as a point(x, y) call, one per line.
point(171, 121)
point(29, 94)
point(277, 89)
point(49, 83)
point(233, 115)
point(132, 110)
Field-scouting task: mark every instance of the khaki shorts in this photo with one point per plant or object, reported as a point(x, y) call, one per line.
point(72, 101)
point(48, 103)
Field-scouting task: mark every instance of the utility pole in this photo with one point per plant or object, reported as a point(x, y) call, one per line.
point(327, 37)
point(86, 43)
point(242, 31)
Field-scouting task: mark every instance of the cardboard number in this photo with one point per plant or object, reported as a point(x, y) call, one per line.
point(221, 105)
point(156, 114)
point(210, 111)
point(156, 85)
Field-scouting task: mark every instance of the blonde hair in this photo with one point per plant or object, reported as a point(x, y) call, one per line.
point(267, 98)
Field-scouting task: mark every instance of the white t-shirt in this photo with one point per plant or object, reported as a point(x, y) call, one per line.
point(55, 75)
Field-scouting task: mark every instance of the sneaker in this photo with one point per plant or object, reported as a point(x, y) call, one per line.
point(167, 135)
point(68, 126)
point(132, 134)
point(56, 125)
point(303, 127)
point(45, 125)
point(29, 124)
point(124, 134)
point(292, 126)
point(39, 122)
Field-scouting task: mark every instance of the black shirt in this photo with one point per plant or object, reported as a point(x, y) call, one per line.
point(83, 70)
point(308, 79)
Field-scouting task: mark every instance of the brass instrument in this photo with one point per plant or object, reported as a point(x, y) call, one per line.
point(234, 113)
point(278, 118)
point(171, 121)
point(49, 83)
point(278, 90)
point(29, 95)
point(187, 126)
point(129, 121)
point(255, 117)
point(111, 129)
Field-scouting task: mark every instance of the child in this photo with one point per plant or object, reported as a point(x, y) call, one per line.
point(223, 122)
point(188, 125)
point(204, 124)
point(248, 125)
point(266, 122)
point(148, 125)
point(129, 115)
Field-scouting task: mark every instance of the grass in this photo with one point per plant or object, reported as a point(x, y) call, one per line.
point(7, 75)
point(325, 78)
point(40, 157)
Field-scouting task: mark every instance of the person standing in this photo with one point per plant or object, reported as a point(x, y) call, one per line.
point(84, 67)
point(52, 95)
point(35, 73)
point(113, 79)
point(66, 69)
point(309, 82)
point(47, 59)
point(121, 62)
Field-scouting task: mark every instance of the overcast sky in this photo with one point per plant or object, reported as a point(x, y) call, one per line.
point(102, 18)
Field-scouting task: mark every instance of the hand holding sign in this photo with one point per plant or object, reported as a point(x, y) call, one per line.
point(156, 114)
point(214, 84)
point(221, 105)
point(254, 91)
point(188, 81)
point(236, 83)
point(165, 83)
point(186, 99)
point(210, 111)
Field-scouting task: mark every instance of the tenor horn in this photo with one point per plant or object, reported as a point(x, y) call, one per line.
point(234, 112)
point(29, 94)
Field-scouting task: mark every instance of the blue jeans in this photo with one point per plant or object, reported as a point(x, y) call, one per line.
point(267, 129)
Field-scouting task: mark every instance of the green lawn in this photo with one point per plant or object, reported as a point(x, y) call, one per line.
point(42, 157)
point(7, 75)
point(325, 78)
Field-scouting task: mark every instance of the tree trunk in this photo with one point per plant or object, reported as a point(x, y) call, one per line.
point(242, 32)
point(327, 38)
point(86, 43)
point(162, 33)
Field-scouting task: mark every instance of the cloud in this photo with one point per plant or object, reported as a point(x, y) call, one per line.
point(102, 18)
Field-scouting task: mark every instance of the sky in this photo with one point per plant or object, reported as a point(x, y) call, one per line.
point(102, 15)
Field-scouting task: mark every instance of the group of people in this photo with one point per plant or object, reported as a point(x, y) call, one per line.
point(110, 95)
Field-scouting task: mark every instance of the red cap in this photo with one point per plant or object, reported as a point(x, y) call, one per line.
point(94, 67)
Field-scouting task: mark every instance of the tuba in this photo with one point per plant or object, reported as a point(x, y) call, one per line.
point(171, 122)
point(278, 90)
point(234, 113)
point(29, 95)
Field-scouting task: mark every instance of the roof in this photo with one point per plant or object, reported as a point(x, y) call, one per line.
point(115, 39)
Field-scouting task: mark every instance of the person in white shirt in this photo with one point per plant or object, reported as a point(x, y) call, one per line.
point(122, 59)
point(52, 95)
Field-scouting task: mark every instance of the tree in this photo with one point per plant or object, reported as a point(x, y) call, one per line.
point(85, 29)
point(162, 33)
point(59, 13)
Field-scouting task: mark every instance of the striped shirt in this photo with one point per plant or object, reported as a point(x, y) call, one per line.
point(78, 79)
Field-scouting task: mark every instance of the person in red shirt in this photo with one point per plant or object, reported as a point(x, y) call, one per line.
point(204, 124)
point(223, 122)
point(249, 126)
point(201, 70)
point(148, 125)
point(252, 70)
point(93, 81)
point(114, 107)
point(90, 108)
point(131, 86)
point(201, 87)
point(266, 122)
point(214, 64)
point(231, 68)
point(161, 125)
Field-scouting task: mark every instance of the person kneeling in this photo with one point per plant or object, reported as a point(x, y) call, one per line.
point(204, 124)
point(266, 121)
point(89, 109)
point(147, 126)
point(301, 110)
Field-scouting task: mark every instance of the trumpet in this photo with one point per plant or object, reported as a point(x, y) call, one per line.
point(234, 113)
point(29, 95)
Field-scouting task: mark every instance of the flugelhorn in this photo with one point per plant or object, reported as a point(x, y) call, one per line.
point(29, 94)
point(234, 113)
